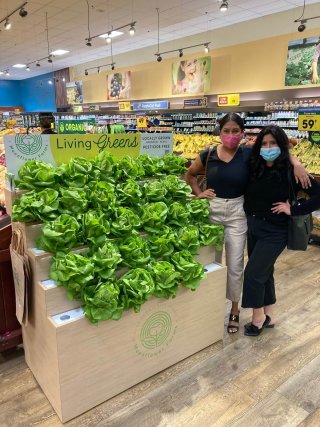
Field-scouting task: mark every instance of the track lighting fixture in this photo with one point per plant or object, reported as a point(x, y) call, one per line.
point(112, 67)
point(50, 59)
point(7, 73)
point(22, 12)
point(111, 33)
point(98, 68)
point(224, 6)
point(86, 72)
point(7, 24)
point(302, 26)
point(304, 20)
point(38, 64)
point(132, 30)
point(159, 57)
point(28, 68)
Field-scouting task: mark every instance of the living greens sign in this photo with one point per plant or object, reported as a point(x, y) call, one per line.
point(57, 149)
point(75, 126)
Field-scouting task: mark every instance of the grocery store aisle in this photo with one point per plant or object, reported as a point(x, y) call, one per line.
point(269, 381)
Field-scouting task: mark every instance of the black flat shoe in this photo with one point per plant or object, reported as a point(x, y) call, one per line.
point(252, 330)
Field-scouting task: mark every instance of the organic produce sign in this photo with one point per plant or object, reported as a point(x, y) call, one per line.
point(75, 126)
point(57, 149)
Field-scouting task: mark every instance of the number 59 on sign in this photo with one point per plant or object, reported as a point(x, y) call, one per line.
point(309, 122)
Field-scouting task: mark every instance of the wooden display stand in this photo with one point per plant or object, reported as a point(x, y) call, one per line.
point(79, 365)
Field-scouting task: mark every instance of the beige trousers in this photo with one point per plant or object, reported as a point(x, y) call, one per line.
point(230, 213)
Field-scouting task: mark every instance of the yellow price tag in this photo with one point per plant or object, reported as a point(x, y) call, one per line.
point(309, 122)
point(141, 122)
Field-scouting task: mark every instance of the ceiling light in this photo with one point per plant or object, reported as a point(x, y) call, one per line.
point(7, 73)
point(19, 66)
point(1, 72)
point(108, 39)
point(38, 64)
point(98, 70)
point(206, 47)
point(159, 58)
point(59, 52)
point(7, 24)
point(63, 79)
point(50, 82)
point(89, 42)
point(180, 53)
point(50, 59)
point(224, 6)
point(302, 25)
point(132, 30)
point(112, 67)
point(23, 13)
point(28, 68)
point(86, 72)
point(111, 35)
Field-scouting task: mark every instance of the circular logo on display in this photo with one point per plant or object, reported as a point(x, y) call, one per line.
point(28, 144)
point(156, 333)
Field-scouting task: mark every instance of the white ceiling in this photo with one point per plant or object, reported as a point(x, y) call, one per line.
point(26, 41)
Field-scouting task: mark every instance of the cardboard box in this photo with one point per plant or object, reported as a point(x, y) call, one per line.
point(10, 197)
point(31, 231)
point(79, 365)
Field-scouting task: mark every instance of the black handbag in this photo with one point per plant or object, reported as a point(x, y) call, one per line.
point(299, 226)
point(202, 179)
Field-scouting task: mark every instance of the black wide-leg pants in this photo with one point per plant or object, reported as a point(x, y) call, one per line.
point(265, 243)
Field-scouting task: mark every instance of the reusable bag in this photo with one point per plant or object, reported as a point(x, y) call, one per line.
point(299, 226)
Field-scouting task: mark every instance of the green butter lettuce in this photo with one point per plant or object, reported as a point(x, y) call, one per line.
point(154, 216)
point(136, 286)
point(198, 209)
point(134, 251)
point(101, 301)
point(36, 206)
point(62, 234)
point(149, 164)
point(72, 271)
point(188, 238)
point(104, 167)
point(211, 234)
point(128, 168)
point(129, 193)
point(161, 244)
point(178, 215)
point(34, 175)
point(155, 191)
point(173, 164)
point(102, 196)
point(73, 201)
point(76, 173)
point(105, 259)
point(124, 222)
point(191, 271)
point(95, 228)
point(177, 189)
point(166, 279)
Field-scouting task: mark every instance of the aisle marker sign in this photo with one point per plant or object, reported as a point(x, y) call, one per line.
point(142, 122)
point(309, 119)
point(228, 100)
point(124, 106)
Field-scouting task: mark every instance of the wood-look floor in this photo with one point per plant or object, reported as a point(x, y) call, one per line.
point(269, 381)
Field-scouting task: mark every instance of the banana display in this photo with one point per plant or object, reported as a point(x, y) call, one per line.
point(309, 155)
point(190, 145)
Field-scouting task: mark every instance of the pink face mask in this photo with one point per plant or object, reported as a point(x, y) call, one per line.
point(231, 141)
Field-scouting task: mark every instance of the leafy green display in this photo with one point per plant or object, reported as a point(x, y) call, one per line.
point(104, 167)
point(101, 301)
point(173, 164)
point(128, 168)
point(76, 173)
point(198, 209)
point(62, 234)
point(176, 188)
point(136, 286)
point(154, 191)
point(166, 279)
point(102, 196)
point(73, 201)
point(105, 259)
point(72, 271)
point(149, 164)
point(129, 193)
point(37, 175)
point(211, 234)
point(154, 216)
point(161, 243)
point(36, 206)
point(191, 271)
point(177, 214)
point(188, 238)
point(95, 228)
point(134, 251)
point(125, 222)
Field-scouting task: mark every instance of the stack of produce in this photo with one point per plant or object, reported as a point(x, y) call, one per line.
point(190, 145)
point(309, 155)
point(126, 218)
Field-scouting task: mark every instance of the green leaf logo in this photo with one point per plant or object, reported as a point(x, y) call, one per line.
point(156, 330)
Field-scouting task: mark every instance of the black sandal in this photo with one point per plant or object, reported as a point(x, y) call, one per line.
point(233, 318)
point(251, 330)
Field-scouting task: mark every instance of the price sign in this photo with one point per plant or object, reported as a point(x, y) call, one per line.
point(309, 122)
point(142, 122)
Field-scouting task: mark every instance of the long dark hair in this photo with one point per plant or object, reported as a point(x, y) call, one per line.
point(232, 117)
point(257, 164)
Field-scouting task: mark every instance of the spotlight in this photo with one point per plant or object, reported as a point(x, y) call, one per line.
point(63, 79)
point(180, 53)
point(23, 13)
point(132, 30)
point(224, 6)
point(98, 70)
point(50, 82)
point(7, 73)
point(159, 58)
point(38, 64)
point(302, 26)
point(112, 67)
point(86, 72)
point(108, 39)
point(7, 24)
point(50, 59)
point(28, 68)
point(206, 48)
point(89, 42)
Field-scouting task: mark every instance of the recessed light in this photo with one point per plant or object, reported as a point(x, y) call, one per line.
point(60, 52)
point(111, 34)
point(19, 66)
point(1, 72)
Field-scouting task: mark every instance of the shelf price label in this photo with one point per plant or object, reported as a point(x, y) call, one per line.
point(142, 122)
point(309, 121)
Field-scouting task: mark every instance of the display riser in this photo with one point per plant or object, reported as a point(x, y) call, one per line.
point(10, 197)
point(79, 365)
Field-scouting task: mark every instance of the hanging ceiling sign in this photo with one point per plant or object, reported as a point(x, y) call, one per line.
point(196, 102)
point(309, 119)
point(152, 105)
point(231, 99)
point(124, 106)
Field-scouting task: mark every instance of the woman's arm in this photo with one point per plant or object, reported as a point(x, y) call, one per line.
point(300, 173)
point(194, 170)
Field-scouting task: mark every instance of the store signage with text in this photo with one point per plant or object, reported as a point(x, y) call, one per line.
point(196, 102)
point(309, 119)
point(57, 149)
point(124, 106)
point(228, 100)
point(152, 105)
point(142, 122)
point(74, 126)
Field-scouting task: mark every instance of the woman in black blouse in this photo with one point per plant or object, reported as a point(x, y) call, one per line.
point(267, 209)
point(227, 180)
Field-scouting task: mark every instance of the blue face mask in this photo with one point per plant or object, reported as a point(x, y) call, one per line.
point(270, 154)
